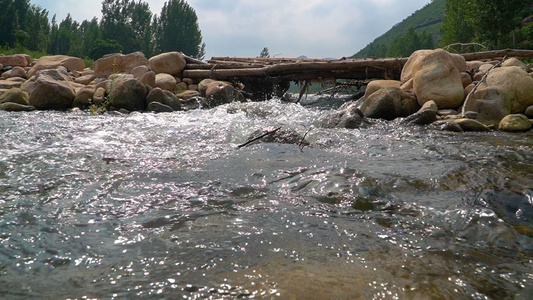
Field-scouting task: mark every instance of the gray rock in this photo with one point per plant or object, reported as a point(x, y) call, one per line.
point(451, 126)
point(164, 97)
point(10, 106)
point(422, 117)
point(515, 123)
point(159, 107)
point(350, 117)
point(529, 112)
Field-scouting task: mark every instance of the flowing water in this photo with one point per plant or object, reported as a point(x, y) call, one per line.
point(166, 206)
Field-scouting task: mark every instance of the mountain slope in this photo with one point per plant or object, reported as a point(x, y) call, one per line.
point(428, 19)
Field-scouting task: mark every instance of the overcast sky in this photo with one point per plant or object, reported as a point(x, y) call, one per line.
point(289, 28)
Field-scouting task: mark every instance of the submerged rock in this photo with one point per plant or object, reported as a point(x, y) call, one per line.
point(159, 107)
point(350, 117)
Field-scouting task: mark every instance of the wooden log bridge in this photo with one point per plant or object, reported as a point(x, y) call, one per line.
point(264, 77)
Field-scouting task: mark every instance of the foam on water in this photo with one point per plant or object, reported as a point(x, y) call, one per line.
point(166, 205)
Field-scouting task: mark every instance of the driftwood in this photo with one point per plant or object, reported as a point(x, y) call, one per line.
point(263, 76)
point(299, 69)
point(349, 69)
point(469, 96)
point(248, 142)
point(498, 54)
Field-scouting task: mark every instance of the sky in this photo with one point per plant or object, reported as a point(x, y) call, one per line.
point(288, 28)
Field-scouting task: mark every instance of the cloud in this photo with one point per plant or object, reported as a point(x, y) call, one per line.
point(316, 28)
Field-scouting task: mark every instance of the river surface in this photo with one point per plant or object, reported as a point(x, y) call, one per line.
point(166, 206)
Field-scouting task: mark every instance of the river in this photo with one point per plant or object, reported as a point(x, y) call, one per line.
point(167, 206)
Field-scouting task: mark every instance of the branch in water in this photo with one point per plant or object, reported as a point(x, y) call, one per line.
point(258, 138)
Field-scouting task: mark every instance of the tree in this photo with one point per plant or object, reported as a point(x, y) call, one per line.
point(37, 23)
point(457, 23)
point(90, 31)
point(177, 29)
point(264, 53)
point(13, 16)
point(102, 47)
point(495, 20)
point(127, 22)
point(408, 43)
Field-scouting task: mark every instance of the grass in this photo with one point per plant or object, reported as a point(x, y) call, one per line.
point(22, 50)
point(89, 63)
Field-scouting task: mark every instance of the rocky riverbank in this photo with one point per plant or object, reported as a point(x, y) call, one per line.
point(436, 88)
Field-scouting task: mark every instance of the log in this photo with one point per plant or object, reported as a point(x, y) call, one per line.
point(335, 68)
point(498, 54)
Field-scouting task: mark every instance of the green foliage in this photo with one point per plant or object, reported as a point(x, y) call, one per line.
point(103, 47)
point(177, 29)
point(495, 24)
point(408, 43)
point(264, 53)
point(126, 26)
point(21, 50)
point(428, 20)
point(457, 27)
point(128, 23)
point(99, 109)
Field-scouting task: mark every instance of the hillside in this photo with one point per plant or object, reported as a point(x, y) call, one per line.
point(428, 19)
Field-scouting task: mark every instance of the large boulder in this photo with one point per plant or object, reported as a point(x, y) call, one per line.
point(171, 63)
point(436, 76)
point(55, 61)
point(16, 60)
point(129, 94)
point(165, 97)
point(59, 74)
point(422, 58)
point(49, 93)
point(517, 83)
point(515, 123)
point(220, 93)
point(165, 81)
point(389, 103)
point(491, 103)
point(15, 95)
point(118, 63)
point(376, 85)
